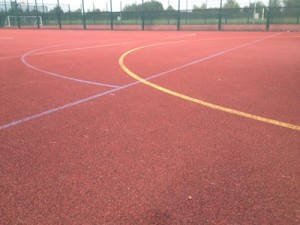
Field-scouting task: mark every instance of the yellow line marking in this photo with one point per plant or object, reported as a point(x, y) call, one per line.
point(198, 101)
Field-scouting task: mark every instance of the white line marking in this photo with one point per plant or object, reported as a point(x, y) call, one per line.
point(9, 57)
point(33, 52)
point(6, 38)
point(83, 48)
point(50, 111)
point(210, 56)
point(35, 116)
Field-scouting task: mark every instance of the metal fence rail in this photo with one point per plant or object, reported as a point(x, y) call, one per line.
point(60, 16)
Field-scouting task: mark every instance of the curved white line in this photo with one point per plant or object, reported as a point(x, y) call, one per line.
point(24, 61)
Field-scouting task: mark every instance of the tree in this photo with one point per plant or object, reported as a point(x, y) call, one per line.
point(15, 8)
point(276, 8)
point(148, 6)
point(170, 8)
point(276, 3)
point(292, 9)
point(291, 3)
point(231, 4)
point(203, 6)
point(171, 13)
point(151, 10)
point(132, 8)
point(231, 9)
point(258, 7)
point(197, 8)
point(56, 10)
point(153, 6)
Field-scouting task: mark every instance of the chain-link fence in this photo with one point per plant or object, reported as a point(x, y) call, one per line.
point(152, 15)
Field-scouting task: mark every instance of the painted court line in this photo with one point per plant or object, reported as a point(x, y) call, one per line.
point(50, 111)
point(82, 48)
point(61, 51)
point(6, 38)
point(198, 101)
point(9, 57)
point(146, 81)
point(33, 52)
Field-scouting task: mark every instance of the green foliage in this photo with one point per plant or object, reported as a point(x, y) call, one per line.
point(231, 9)
point(231, 4)
point(197, 8)
point(15, 8)
point(132, 8)
point(148, 6)
point(276, 3)
point(292, 9)
point(153, 6)
point(170, 8)
point(291, 3)
point(260, 5)
point(56, 10)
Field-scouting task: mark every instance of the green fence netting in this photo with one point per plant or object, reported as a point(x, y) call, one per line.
point(175, 15)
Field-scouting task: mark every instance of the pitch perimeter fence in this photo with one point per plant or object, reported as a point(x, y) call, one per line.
point(144, 16)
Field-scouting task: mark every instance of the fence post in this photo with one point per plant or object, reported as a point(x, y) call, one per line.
point(94, 13)
point(186, 11)
point(143, 15)
point(120, 12)
point(43, 5)
point(6, 14)
point(5, 7)
point(111, 16)
point(58, 11)
point(70, 15)
point(18, 16)
point(268, 16)
point(178, 16)
point(106, 13)
point(83, 16)
point(37, 16)
point(220, 16)
point(11, 7)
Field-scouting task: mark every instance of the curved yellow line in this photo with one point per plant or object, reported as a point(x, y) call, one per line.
point(198, 101)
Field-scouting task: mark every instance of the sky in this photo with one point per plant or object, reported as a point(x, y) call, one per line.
point(117, 4)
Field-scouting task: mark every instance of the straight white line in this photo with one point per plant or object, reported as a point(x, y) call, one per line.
point(58, 45)
point(50, 111)
point(208, 57)
point(9, 57)
point(83, 48)
point(35, 116)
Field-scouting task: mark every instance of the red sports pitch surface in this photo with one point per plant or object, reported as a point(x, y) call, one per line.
point(115, 127)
